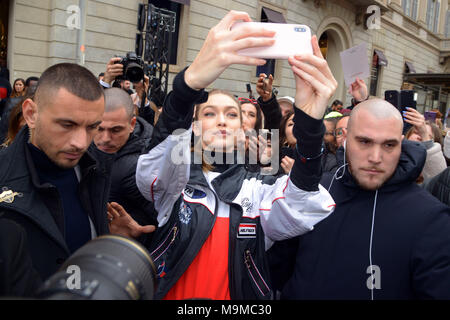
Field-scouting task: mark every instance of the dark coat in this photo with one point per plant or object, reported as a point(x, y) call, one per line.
point(329, 162)
point(411, 240)
point(17, 276)
point(439, 186)
point(37, 207)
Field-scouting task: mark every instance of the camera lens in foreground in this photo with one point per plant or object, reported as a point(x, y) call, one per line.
point(134, 73)
point(107, 268)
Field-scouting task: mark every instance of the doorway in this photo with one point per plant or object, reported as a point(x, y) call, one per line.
point(331, 46)
point(4, 15)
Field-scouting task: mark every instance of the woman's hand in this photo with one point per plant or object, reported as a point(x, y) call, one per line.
point(264, 86)
point(415, 118)
point(315, 84)
point(220, 49)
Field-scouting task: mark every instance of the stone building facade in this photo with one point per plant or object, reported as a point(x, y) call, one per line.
point(412, 36)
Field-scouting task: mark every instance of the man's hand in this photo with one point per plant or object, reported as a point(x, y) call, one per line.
point(315, 84)
point(113, 70)
point(220, 49)
point(122, 224)
point(415, 118)
point(264, 86)
point(358, 90)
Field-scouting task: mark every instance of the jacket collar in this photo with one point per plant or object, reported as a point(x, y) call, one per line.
point(19, 176)
point(227, 185)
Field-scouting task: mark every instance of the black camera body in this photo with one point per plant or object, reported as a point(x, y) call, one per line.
point(133, 67)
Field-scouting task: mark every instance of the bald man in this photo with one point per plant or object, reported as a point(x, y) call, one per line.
point(127, 136)
point(388, 238)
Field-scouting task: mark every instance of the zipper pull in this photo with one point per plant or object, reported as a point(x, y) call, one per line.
point(174, 234)
point(247, 258)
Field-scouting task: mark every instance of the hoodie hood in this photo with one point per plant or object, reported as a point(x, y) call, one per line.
point(409, 168)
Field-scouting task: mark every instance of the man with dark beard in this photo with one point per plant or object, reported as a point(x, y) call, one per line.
point(388, 238)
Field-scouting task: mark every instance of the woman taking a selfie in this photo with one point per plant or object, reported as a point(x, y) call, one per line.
point(216, 220)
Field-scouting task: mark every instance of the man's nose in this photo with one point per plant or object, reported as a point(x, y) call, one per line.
point(104, 136)
point(80, 139)
point(376, 154)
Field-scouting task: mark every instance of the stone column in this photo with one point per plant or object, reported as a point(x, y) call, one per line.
point(422, 15)
point(442, 17)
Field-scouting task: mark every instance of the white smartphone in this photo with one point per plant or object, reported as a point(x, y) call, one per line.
point(290, 40)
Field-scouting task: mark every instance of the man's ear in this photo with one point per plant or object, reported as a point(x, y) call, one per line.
point(133, 123)
point(403, 137)
point(29, 112)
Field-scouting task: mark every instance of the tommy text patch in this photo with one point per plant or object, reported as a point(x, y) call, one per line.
point(247, 230)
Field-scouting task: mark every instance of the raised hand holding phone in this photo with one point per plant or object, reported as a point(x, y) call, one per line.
point(290, 39)
point(315, 84)
point(221, 47)
point(264, 86)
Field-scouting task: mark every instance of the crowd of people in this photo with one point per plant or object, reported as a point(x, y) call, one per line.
point(234, 197)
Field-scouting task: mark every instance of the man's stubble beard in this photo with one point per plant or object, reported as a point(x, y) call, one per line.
point(361, 184)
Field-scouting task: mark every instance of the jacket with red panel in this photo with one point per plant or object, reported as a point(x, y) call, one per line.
point(263, 209)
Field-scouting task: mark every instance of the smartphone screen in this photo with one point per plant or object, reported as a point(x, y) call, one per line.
point(393, 97)
point(407, 100)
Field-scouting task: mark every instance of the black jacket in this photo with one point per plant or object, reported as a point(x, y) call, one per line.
point(272, 112)
point(37, 207)
point(411, 240)
point(329, 161)
point(439, 186)
point(17, 276)
point(123, 177)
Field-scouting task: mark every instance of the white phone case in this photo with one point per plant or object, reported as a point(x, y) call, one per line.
point(290, 40)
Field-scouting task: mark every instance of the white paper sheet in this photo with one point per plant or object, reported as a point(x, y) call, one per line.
point(355, 63)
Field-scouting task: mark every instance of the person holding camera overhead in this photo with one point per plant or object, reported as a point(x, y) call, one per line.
point(129, 70)
point(216, 220)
